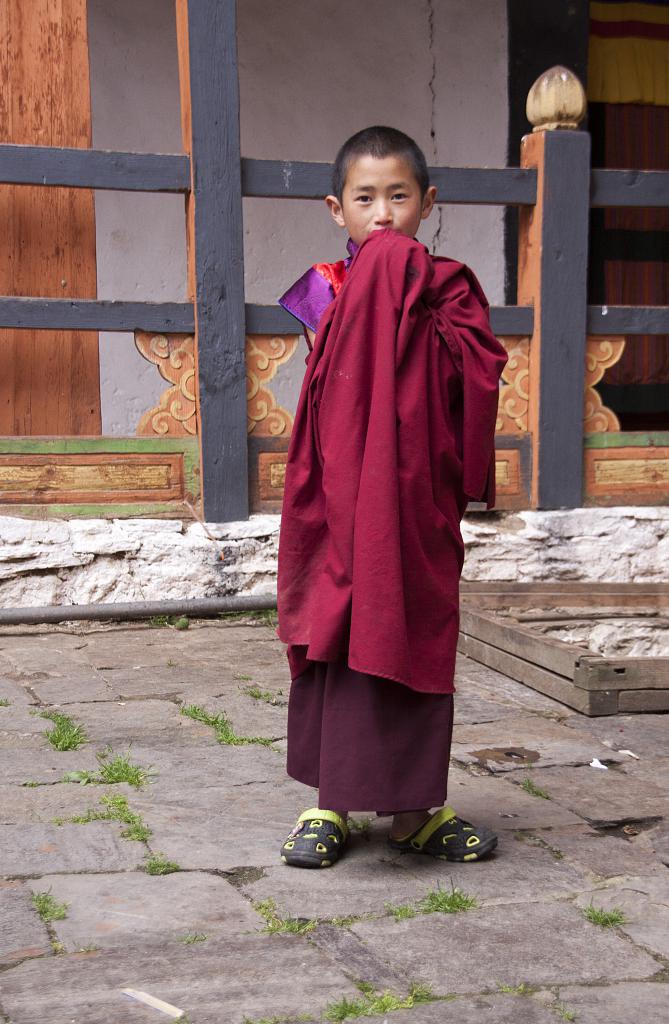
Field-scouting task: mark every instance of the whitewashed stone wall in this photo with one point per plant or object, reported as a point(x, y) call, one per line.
point(95, 560)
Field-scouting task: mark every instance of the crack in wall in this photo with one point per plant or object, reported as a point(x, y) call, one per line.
point(436, 234)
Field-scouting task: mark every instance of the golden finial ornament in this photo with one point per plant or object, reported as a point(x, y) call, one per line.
point(556, 101)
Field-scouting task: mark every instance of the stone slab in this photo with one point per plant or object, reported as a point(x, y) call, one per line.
point(537, 943)
point(135, 910)
point(646, 735)
point(23, 934)
point(182, 772)
point(245, 976)
point(518, 872)
point(645, 903)
point(603, 856)
point(14, 693)
point(618, 1003)
point(371, 876)
point(48, 849)
point(25, 765)
point(501, 805)
point(224, 841)
point(24, 804)
point(603, 798)
point(472, 708)
point(78, 686)
point(657, 841)
point(513, 742)
point(472, 677)
point(136, 720)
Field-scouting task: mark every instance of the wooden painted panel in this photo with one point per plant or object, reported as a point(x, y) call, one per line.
point(50, 379)
point(627, 475)
point(89, 478)
point(99, 476)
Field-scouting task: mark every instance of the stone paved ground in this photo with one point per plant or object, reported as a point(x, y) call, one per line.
point(200, 939)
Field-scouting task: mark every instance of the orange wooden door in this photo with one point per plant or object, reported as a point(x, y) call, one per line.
point(49, 380)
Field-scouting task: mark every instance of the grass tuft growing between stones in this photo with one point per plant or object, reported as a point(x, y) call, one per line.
point(192, 938)
point(275, 923)
point(563, 1012)
point(4, 703)
point(401, 911)
point(158, 864)
point(66, 734)
point(374, 1004)
point(222, 726)
point(439, 901)
point(114, 808)
point(114, 768)
point(516, 990)
point(530, 787)
point(48, 907)
point(266, 696)
point(176, 621)
point(604, 918)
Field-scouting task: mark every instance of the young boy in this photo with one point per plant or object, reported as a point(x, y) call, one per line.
point(393, 435)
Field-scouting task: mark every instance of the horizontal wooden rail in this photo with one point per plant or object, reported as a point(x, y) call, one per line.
point(628, 320)
point(177, 317)
point(95, 315)
point(513, 186)
point(512, 320)
point(94, 168)
point(629, 188)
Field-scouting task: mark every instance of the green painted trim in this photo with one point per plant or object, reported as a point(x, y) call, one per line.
point(658, 439)
point(155, 510)
point(84, 445)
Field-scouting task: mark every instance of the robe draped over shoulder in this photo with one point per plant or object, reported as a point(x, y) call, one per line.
point(393, 434)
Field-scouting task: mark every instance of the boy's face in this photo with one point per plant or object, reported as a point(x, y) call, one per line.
point(380, 193)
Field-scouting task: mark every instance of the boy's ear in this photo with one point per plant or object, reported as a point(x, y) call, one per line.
point(428, 202)
point(335, 208)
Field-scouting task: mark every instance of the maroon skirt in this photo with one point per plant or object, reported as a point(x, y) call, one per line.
point(366, 743)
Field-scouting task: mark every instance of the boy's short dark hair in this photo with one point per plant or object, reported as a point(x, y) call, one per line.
point(379, 141)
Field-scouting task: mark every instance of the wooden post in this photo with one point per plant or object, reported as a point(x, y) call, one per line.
point(552, 276)
point(207, 41)
point(50, 379)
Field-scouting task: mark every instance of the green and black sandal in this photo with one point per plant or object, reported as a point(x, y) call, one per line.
point(317, 841)
point(448, 837)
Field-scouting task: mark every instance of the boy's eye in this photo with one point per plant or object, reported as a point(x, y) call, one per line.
point(363, 199)
point(399, 195)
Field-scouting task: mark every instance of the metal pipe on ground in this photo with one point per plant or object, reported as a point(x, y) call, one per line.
point(201, 608)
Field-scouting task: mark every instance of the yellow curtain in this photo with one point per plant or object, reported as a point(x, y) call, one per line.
point(628, 59)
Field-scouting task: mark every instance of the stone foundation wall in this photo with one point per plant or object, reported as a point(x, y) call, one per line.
point(95, 560)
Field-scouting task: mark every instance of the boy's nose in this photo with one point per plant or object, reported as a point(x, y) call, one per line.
point(383, 214)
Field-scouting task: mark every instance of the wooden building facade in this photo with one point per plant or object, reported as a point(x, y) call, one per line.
point(215, 444)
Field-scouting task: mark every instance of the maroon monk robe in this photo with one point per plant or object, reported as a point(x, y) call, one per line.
point(393, 434)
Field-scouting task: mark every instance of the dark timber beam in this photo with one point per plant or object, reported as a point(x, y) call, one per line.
point(479, 185)
point(505, 320)
point(94, 168)
point(628, 320)
point(207, 41)
point(96, 315)
point(629, 188)
point(552, 267)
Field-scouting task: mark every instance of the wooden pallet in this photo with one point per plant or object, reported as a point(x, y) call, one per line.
point(494, 630)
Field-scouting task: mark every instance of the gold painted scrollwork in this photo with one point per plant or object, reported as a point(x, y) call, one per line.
point(174, 355)
point(514, 393)
point(600, 354)
point(265, 353)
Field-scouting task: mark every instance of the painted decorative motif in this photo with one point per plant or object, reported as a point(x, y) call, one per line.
point(600, 354)
point(174, 355)
point(265, 353)
point(514, 394)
